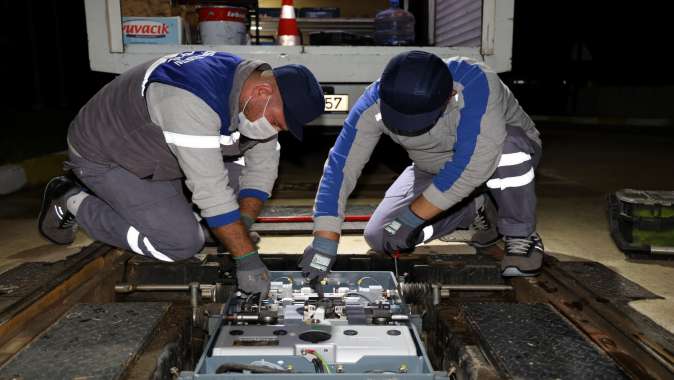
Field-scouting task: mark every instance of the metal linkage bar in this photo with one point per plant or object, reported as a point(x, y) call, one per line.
point(210, 292)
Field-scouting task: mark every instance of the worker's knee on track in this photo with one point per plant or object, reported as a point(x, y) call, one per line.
point(191, 244)
point(517, 141)
point(373, 237)
point(184, 242)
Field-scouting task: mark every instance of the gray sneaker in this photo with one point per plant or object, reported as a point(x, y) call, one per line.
point(55, 222)
point(482, 231)
point(524, 256)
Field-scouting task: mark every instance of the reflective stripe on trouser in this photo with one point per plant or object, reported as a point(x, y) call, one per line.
point(163, 228)
point(406, 188)
point(513, 184)
point(133, 238)
point(151, 218)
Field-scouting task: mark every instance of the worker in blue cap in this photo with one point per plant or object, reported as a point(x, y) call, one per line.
point(464, 131)
point(211, 118)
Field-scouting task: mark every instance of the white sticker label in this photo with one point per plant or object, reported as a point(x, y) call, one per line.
point(393, 227)
point(320, 262)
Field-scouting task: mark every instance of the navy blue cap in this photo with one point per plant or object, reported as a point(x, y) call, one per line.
point(413, 91)
point(302, 97)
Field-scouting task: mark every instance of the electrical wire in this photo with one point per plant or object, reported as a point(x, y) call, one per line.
point(321, 359)
point(359, 295)
point(264, 363)
point(285, 277)
point(360, 280)
point(317, 365)
point(251, 296)
point(240, 368)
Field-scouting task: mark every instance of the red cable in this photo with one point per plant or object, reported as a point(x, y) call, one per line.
point(307, 219)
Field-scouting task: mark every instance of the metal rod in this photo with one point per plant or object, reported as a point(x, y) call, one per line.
point(242, 317)
point(476, 288)
point(130, 288)
point(195, 294)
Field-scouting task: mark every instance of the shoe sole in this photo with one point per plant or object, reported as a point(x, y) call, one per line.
point(457, 236)
point(516, 272)
point(43, 212)
point(472, 243)
point(485, 245)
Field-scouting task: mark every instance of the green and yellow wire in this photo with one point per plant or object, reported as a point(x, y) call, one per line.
point(320, 359)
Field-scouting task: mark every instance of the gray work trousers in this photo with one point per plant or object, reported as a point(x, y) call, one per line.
point(150, 218)
point(511, 185)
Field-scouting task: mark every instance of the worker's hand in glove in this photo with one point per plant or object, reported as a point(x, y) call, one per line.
point(318, 258)
point(403, 232)
point(252, 275)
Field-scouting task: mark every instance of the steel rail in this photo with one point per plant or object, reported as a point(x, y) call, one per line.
point(637, 354)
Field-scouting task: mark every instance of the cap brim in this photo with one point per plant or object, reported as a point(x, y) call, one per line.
point(405, 122)
point(295, 127)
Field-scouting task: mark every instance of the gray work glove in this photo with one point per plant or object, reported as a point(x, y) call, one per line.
point(402, 233)
point(252, 275)
point(318, 258)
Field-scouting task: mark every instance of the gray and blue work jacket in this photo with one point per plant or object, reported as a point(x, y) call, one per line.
point(178, 116)
point(462, 150)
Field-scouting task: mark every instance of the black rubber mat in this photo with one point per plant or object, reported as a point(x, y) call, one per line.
point(532, 341)
point(31, 280)
point(91, 341)
point(606, 283)
point(24, 279)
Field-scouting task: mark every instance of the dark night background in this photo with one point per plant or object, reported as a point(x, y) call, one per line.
point(577, 58)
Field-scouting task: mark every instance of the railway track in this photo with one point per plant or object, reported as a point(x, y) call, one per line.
point(457, 334)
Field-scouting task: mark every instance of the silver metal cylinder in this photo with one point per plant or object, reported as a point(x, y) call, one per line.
point(436, 294)
point(400, 317)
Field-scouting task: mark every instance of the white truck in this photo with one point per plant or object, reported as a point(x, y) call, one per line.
point(480, 29)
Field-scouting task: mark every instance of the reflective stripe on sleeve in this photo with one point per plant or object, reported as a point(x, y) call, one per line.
point(192, 141)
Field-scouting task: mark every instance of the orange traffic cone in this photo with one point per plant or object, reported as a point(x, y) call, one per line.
point(288, 33)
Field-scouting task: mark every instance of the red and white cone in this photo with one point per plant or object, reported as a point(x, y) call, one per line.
point(288, 33)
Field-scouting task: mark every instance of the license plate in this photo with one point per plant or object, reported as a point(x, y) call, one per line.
point(336, 103)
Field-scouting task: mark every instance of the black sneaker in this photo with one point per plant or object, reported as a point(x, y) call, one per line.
point(524, 256)
point(482, 231)
point(55, 222)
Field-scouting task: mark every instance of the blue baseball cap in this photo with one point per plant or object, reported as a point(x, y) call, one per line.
point(302, 96)
point(413, 91)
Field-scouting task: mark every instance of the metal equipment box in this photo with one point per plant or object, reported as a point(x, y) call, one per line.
point(642, 222)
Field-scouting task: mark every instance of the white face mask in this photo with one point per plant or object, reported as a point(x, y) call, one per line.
point(260, 129)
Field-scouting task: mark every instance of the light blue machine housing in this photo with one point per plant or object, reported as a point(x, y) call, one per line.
point(353, 326)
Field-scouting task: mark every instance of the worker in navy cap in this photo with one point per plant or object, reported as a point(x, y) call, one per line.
point(207, 117)
point(469, 142)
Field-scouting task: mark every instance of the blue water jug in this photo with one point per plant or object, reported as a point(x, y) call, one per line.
point(394, 26)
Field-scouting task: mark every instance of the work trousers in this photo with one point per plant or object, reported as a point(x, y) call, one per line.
point(150, 218)
point(512, 187)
